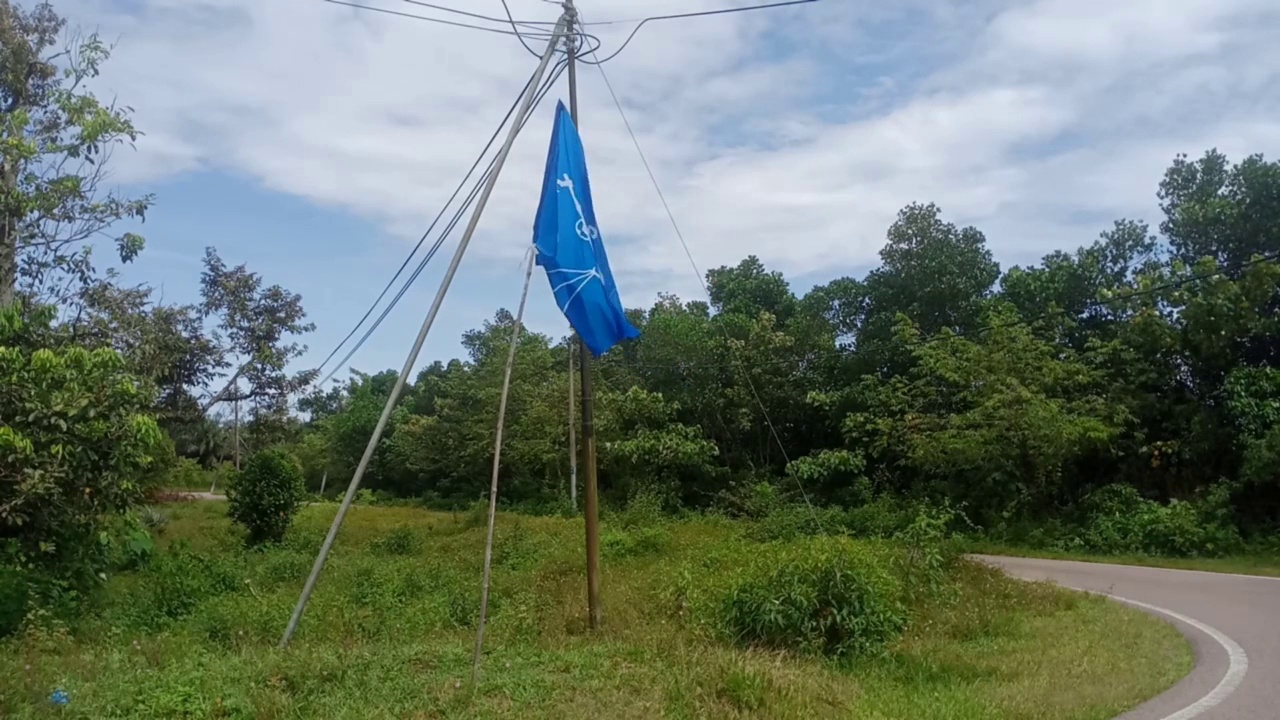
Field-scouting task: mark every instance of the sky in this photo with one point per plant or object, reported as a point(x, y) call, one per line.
point(315, 142)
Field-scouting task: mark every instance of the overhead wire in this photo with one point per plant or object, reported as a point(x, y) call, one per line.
point(448, 229)
point(440, 21)
point(421, 241)
point(704, 13)
point(511, 19)
point(635, 140)
point(532, 24)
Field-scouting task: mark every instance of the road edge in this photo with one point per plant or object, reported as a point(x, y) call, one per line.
point(1237, 658)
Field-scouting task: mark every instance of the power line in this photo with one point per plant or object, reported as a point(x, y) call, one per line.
point(704, 13)
point(424, 18)
point(516, 30)
point(689, 254)
point(457, 216)
point(522, 23)
point(488, 145)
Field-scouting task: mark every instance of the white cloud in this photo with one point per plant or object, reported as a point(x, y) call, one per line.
point(773, 133)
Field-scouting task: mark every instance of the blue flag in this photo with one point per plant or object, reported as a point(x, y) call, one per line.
point(570, 248)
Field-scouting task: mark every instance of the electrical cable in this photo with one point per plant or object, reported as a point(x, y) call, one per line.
point(516, 30)
point(426, 19)
point(698, 272)
point(452, 224)
point(533, 25)
point(704, 13)
point(488, 145)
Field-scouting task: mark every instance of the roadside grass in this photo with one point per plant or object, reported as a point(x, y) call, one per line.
point(390, 629)
point(1262, 564)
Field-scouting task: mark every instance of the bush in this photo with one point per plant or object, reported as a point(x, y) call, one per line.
point(153, 519)
point(78, 446)
point(401, 540)
point(176, 583)
point(883, 517)
point(645, 508)
point(265, 497)
point(14, 594)
point(634, 543)
point(827, 596)
point(186, 474)
point(1120, 521)
point(129, 543)
point(928, 553)
point(789, 522)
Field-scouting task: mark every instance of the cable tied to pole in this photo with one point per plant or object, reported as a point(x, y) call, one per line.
point(733, 352)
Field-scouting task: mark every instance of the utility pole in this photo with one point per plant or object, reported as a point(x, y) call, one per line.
point(573, 433)
point(591, 510)
point(526, 104)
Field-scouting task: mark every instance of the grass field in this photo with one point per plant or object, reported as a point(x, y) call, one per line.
point(390, 629)
point(1267, 565)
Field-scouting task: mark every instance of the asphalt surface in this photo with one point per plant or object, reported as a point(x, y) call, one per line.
point(1232, 621)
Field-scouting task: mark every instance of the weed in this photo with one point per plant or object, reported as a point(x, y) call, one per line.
point(744, 689)
point(826, 596)
point(401, 540)
point(187, 636)
point(618, 544)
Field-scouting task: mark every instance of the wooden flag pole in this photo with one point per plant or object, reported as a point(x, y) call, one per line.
point(573, 431)
point(591, 508)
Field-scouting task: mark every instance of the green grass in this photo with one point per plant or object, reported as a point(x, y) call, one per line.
point(1267, 565)
point(390, 629)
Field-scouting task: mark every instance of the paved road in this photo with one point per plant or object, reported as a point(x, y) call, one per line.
point(1232, 621)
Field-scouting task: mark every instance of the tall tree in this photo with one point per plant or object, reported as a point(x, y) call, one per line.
point(934, 273)
point(56, 140)
point(254, 327)
point(1214, 209)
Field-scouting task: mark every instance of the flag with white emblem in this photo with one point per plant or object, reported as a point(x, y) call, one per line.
point(569, 246)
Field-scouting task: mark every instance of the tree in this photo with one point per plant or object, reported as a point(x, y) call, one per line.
point(935, 274)
point(749, 289)
point(996, 421)
point(1214, 210)
point(77, 446)
point(56, 141)
point(253, 325)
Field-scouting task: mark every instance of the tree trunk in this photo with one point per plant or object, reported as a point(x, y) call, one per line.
point(8, 235)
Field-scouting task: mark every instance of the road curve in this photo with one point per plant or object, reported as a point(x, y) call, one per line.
point(1231, 621)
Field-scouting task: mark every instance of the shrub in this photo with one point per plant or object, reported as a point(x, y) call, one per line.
point(186, 474)
point(153, 519)
point(14, 594)
point(401, 540)
point(265, 497)
point(928, 553)
point(477, 515)
point(634, 543)
point(1120, 521)
point(514, 547)
point(881, 518)
point(77, 446)
point(130, 544)
point(178, 582)
point(827, 596)
point(744, 689)
point(645, 508)
point(788, 522)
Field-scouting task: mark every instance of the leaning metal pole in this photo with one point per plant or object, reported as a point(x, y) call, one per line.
point(525, 107)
